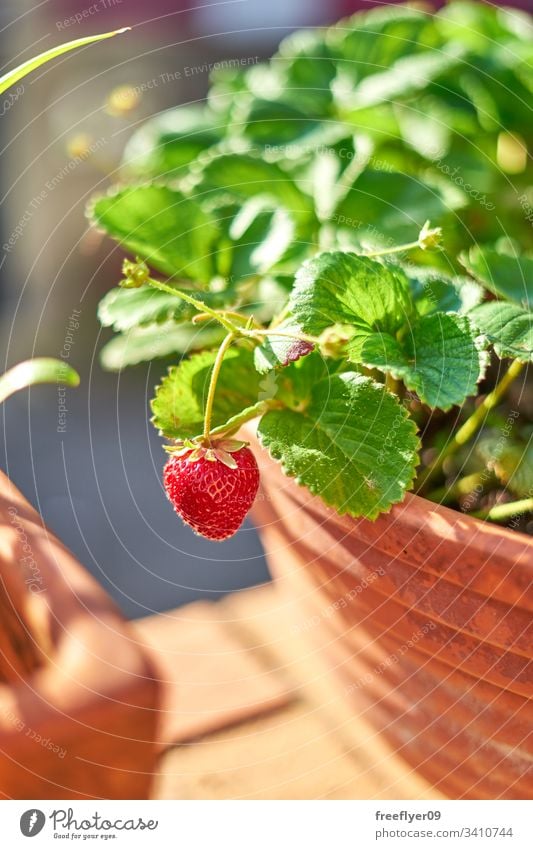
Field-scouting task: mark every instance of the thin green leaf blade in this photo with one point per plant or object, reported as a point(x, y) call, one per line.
point(33, 372)
point(12, 77)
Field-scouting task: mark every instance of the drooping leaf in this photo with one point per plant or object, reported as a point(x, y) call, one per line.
point(505, 274)
point(179, 402)
point(144, 344)
point(123, 309)
point(343, 288)
point(508, 327)
point(440, 358)
point(352, 444)
point(32, 372)
point(165, 228)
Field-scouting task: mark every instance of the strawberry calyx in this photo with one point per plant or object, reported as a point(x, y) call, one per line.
point(212, 450)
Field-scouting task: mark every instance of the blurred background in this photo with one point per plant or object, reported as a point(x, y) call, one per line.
point(94, 469)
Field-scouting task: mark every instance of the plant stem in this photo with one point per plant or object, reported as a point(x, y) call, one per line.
point(213, 384)
point(399, 249)
point(473, 423)
point(199, 305)
point(503, 512)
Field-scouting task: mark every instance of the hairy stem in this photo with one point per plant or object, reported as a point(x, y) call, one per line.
point(198, 305)
point(473, 423)
point(504, 512)
point(399, 249)
point(213, 384)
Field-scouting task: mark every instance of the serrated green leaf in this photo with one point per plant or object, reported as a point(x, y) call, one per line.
point(434, 291)
point(143, 344)
point(353, 445)
point(511, 461)
point(165, 228)
point(167, 143)
point(440, 358)
point(179, 402)
point(507, 275)
point(508, 327)
point(343, 288)
point(247, 176)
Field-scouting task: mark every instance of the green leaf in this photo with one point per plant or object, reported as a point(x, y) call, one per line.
point(260, 235)
point(407, 76)
point(508, 327)
point(507, 275)
point(374, 41)
point(274, 123)
point(353, 445)
point(306, 69)
point(245, 176)
point(280, 350)
point(144, 344)
point(440, 358)
point(166, 144)
point(395, 204)
point(162, 226)
point(511, 461)
point(179, 402)
point(434, 291)
point(123, 309)
point(343, 288)
point(32, 372)
point(12, 77)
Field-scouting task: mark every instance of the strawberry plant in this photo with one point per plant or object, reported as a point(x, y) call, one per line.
point(335, 245)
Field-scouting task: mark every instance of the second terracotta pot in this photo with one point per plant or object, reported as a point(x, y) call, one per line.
point(425, 617)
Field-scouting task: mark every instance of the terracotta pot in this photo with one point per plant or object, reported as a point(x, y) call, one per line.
point(78, 698)
point(426, 621)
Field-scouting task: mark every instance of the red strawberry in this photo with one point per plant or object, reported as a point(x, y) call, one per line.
point(212, 489)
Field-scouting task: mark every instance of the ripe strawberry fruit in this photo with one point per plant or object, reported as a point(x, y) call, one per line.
point(212, 489)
